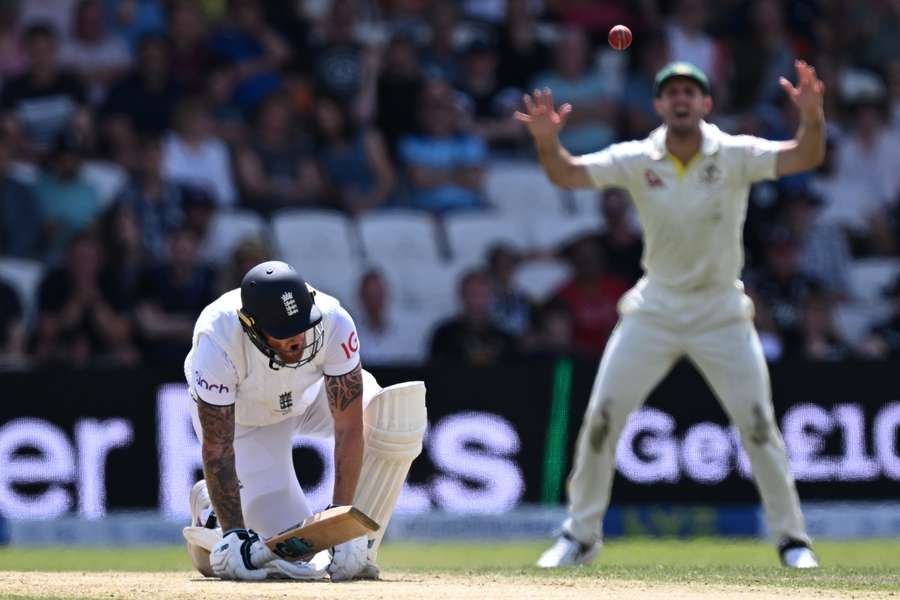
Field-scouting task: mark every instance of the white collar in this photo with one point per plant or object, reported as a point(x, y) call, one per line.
point(708, 147)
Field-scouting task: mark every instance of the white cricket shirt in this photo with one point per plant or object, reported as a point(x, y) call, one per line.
point(224, 367)
point(692, 215)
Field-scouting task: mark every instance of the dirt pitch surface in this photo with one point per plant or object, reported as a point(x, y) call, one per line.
point(395, 586)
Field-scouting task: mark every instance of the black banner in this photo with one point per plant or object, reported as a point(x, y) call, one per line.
point(94, 441)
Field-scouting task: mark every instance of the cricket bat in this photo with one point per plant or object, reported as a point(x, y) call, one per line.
point(317, 532)
point(321, 531)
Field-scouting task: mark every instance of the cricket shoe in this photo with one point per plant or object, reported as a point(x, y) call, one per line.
point(202, 514)
point(568, 552)
point(797, 554)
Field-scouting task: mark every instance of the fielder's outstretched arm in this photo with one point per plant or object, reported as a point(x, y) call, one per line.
point(345, 400)
point(807, 149)
point(544, 123)
point(217, 423)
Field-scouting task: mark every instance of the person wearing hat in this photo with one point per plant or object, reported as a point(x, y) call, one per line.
point(273, 359)
point(689, 182)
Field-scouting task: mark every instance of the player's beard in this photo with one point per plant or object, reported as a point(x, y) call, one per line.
point(683, 126)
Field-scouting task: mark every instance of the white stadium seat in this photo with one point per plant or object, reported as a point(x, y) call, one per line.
point(429, 290)
point(471, 234)
point(24, 276)
point(306, 235)
point(539, 279)
point(551, 233)
point(105, 177)
point(522, 190)
point(227, 229)
point(869, 277)
point(399, 235)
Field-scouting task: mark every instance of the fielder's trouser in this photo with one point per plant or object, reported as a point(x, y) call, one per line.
point(720, 340)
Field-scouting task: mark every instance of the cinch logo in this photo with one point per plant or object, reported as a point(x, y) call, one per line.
point(212, 387)
point(290, 305)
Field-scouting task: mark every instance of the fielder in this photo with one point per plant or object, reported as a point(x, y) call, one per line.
point(270, 360)
point(689, 182)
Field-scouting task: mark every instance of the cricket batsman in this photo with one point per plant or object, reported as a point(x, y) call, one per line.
point(689, 182)
point(270, 360)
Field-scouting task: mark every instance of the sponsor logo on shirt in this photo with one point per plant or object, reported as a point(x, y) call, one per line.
point(653, 180)
point(203, 384)
point(290, 305)
point(285, 402)
point(351, 345)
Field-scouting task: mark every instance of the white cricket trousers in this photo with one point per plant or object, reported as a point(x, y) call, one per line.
point(715, 331)
point(271, 497)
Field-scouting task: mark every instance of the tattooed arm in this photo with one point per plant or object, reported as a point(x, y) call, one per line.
point(345, 399)
point(217, 423)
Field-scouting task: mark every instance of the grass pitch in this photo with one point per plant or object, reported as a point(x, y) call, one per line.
point(630, 568)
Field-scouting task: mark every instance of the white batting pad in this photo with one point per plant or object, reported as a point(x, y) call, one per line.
point(395, 422)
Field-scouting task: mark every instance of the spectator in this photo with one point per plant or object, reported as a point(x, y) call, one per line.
point(590, 126)
point(277, 169)
point(440, 58)
point(155, 202)
point(68, 203)
point(45, 100)
point(399, 87)
point(57, 14)
point(189, 33)
point(145, 99)
point(621, 240)
point(248, 253)
point(591, 295)
point(512, 310)
point(444, 165)
point(132, 20)
point(13, 61)
point(760, 56)
point(780, 290)
point(338, 57)
point(21, 229)
point(824, 253)
point(172, 296)
point(821, 339)
point(490, 104)
point(883, 339)
point(229, 120)
point(192, 155)
point(354, 160)
point(97, 56)
point(126, 256)
point(522, 53)
point(256, 50)
point(386, 336)
point(640, 115)
point(472, 338)
point(12, 328)
point(688, 40)
point(80, 321)
point(554, 329)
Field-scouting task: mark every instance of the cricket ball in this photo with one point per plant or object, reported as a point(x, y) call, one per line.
point(619, 37)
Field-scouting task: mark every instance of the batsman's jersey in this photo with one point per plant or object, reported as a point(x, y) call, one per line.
point(224, 367)
point(692, 215)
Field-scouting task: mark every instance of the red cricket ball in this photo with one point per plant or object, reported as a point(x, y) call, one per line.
point(619, 37)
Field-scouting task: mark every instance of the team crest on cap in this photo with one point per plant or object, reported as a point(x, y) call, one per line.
point(290, 305)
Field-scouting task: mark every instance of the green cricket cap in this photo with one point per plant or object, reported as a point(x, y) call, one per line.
point(680, 69)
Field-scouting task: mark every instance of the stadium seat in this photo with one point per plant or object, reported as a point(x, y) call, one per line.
point(25, 276)
point(854, 319)
point(869, 277)
point(551, 233)
point(304, 235)
point(539, 279)
point(105, 177)
point(399, 235)
point(229, 228)
point(470, 235)
point(428, 290)
point(521, 190)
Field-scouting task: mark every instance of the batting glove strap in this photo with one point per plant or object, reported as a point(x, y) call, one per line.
point(248, 537)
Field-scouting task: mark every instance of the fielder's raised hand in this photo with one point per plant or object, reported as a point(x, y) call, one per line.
point(809, 93)
point(541, 117)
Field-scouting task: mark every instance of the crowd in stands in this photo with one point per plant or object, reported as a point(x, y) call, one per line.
point(127, 127)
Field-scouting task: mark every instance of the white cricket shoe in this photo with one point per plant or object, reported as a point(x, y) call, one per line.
point(202, 514)
point(797, 555)
point(568, 552)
